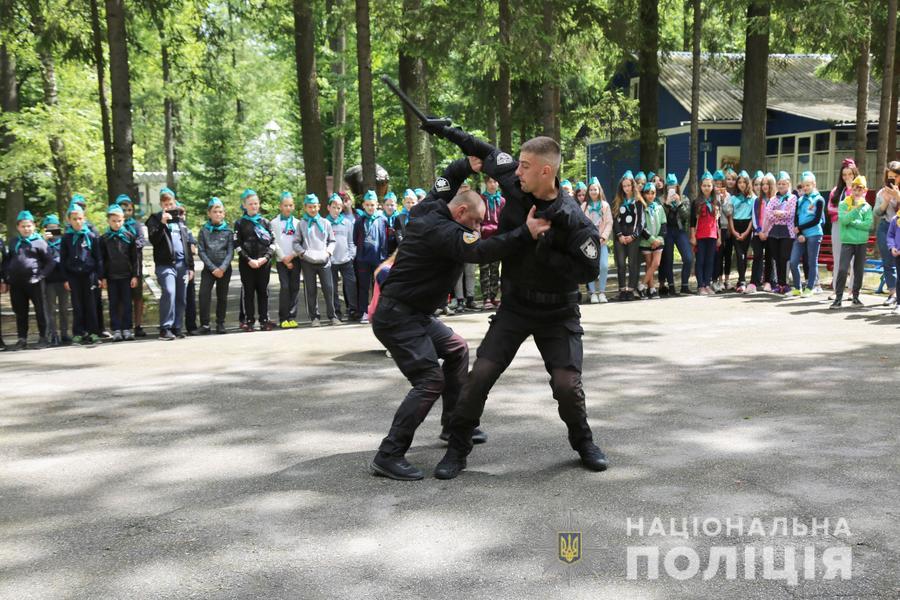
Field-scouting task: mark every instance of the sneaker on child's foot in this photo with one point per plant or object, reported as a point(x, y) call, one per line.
point(364, 320)
point(220, 329)
point(817, 290)
point(806, 293)
point(315, 323)
point(117, 336)
point(335, 321)
point(795, 293)
point(41, 344)
point(128, 335)
point(601, 298)
point(767, 287)
point(139, 332)
point(595, 299)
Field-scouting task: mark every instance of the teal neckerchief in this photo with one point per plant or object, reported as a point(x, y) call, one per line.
point(371, 218)
point(781, 199)
point(338, 221)
point(131, 225)
point(289, 224)
point(110, 234)
point(210, 226)
point(85, 233)
point(27, 240)
point(493, 199)
point(595, 207)
point(317, 220)
point(55, 242)
point(629, 202)
point(391, 218)
point(256, 220)
point(709, 206)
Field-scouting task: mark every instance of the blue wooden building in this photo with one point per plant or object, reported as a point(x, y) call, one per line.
point(810, 126)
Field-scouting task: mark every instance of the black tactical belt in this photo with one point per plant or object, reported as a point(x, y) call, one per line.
point(536, 297)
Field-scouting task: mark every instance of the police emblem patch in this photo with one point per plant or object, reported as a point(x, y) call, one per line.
point(589, 249)
point(569, 546)
point(442, 185)
point(504, 159)
point(470, 237)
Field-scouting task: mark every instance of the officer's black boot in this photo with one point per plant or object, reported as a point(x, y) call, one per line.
point(592, 457)
point(837, 301)
point(450, 466)
point(478, 436)
point(395, 467)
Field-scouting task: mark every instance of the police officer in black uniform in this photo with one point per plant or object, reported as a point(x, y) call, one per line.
point(540, 294)
point(440, 238)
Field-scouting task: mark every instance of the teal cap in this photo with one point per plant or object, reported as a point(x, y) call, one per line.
point(334, 197)
point(744, 173)
point(707, 175)
point(640, 175)
point(565, 182)
point(79, 199)
point(719, 175)
point(285, 195)
point(671, 179)
point(628, 174)
point(409, 192)
point(580, 186)
point(24, 215)
point(649, 187)
point(784, 176)
point(51, 219)
point(311, 199)
point(115, 209)
point(74, 207)
point(650, 175)
point(123, 198)
point(247, 193)
point(594, 181)
point(370, 195)
point(420, 192)
point(807, 175)
point(390, 196)
point(166, 192)
point(769, 174)
point(214, 202)
point(729, 171)
point(758, 175)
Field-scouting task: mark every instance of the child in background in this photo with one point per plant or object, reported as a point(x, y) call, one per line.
point(581, 193)
point(420, 194)
point(254, 244)
point(171, 253)
point(566, 186)
point(370, 239)
point(855, 219)
point(740, 225)
point(190, 297)
point(137, 292)
point(216, 249)
point(342, 260)
point(56, 297)
point(887, 203)
point(598, 211)
point(839, 193)
point(392, 221)
point(348, 208)
point(893, 241)
point(705, 233)
point(779, 228)
point(761, 272)
point(722, 268)
point(489, 273)
point(652, 238)
point(285, 228)
point(381, 274)
point(808, 220)
point(640, 180)
point(121, 272)
point(314, 245)
point(28, 263)
point(628, 223)
point(678, 235)
point(82, 265)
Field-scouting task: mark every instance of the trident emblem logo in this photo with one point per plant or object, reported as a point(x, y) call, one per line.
point(569, 546)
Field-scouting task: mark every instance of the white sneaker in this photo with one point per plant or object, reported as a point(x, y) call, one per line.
point(315, 323)
point(767, 287)
point(896, 310)
point(595, 299)
point(128, 335)
point(388, 354)
point(601, 298)
point(751, 289)
point(817, 290)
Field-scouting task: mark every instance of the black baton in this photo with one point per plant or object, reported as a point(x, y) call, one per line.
point(411, 105)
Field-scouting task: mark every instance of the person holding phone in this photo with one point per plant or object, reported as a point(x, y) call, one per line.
point(886, 203)
point(678, 227)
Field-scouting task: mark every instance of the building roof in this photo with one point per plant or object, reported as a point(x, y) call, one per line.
point(794, 87)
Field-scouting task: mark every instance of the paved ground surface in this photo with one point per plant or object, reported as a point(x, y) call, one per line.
point(236, 466)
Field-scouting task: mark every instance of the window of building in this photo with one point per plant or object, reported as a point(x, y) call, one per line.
point(634, 88)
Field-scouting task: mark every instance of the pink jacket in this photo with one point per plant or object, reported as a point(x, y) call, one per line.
point(603, 219)
point(491, 215)
point(833, 209)
point(789, 206)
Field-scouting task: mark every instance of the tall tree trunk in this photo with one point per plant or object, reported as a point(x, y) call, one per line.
point(648, 85)
point(9, 102)
point(695, 100)
point(338, 45)
point(238, 103)
point(366, 110)
point(414, 81)
point(892, 128)
point(61, 167)
point(756, 86)
point(308, 86)
point(887, 87)
point(100, 64)
point(169, 116)
point(550, 90)
point(119, 75)
point(862, 90)
point(686, 26)
point(504, 108)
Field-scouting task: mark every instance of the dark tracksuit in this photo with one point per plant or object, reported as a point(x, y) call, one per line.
point(761, 270)
point(628, 221)
point(121, 262)
point(134, 226)
point(540, 299)
point(370, 238)
point(429, 261)
point(171, 253)
point(216, 249)
point(27, 264)
point(56, 297)
point(190, 298)
point(82, 263)
point(252, 241)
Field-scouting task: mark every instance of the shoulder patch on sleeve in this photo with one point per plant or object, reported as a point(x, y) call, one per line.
point(470, 237)
point(504, 159)
point(441, 184)
point(589, 249)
